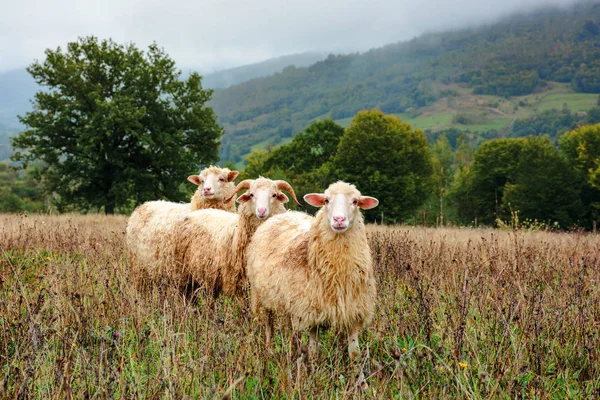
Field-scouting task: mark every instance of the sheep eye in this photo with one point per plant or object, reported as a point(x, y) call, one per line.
point(222, 179)
point(326, 201)
point(251, 194)
point(274, 195)
point(355, 202)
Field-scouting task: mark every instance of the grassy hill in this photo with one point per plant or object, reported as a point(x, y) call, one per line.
point(475, 79)
point(487, 112)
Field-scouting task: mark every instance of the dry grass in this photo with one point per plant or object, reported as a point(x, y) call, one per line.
point(461, 314)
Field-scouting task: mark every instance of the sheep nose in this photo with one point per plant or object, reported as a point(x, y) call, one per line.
point(262, 211)
point(207, 188)
point(339, 219)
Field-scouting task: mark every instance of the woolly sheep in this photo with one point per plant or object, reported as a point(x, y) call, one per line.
point(315, 270)
point(211, 244)
point(152, 223)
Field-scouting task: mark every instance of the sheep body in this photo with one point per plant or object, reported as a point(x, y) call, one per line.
point(298, 267)
point(151, 225)
point(210, 244)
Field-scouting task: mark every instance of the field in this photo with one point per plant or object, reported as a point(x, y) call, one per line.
point(492, 112)
point(462, 313)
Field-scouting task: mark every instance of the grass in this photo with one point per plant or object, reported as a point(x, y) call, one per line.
point(576, 102)
point(462, 313)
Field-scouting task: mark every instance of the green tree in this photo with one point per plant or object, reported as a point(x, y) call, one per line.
point(581, 147)
point(464, 152)
point(386, 159)
point(305, 162)
point(115, 125)
point(494, 164)
point(545, 187)
point(436, 207)
point(309, 149)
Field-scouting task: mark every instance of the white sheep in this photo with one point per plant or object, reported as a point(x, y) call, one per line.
point(152, 223)
point(315, 270)
point(211, 244)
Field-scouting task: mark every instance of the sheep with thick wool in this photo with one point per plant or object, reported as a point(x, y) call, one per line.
point(211, 244)
point(151, 225)
point(315, 270)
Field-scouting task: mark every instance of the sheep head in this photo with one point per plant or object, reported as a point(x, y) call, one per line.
point(341, 203)
point(212, 181)
point(261, 195)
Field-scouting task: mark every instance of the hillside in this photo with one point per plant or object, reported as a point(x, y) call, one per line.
point(233, 76)
point(16, 88)
point(475, 79)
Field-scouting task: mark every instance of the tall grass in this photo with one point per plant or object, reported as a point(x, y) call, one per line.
point(461, 314)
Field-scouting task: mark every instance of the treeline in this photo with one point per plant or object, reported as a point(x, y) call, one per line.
point(527, 181)
point(19, 191)
point(514, 57)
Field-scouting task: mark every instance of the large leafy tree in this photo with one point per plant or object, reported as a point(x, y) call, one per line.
point(115, 125)
point(386, 159)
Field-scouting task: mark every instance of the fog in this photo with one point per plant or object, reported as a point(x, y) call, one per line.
point(211, 35)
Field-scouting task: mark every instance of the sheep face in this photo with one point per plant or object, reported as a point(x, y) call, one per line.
point(212, 180)
point(261, 197)
point(341, 203)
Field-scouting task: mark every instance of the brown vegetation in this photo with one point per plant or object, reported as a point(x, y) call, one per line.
point(461, 314)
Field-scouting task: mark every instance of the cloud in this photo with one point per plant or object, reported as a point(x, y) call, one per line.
point(214, 34)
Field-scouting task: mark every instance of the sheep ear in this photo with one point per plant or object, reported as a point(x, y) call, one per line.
point(243, 198)
point(315, 199)
point(282, 198)
point(367, 202)
point(195, 179)
point(232, 175)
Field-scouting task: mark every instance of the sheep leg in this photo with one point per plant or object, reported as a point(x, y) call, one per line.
point(353, 347)
point(268, 328)
point(313, 343)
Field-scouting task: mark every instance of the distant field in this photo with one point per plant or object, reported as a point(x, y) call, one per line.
point(461, 314)
point(494, 112)
point(575, 101)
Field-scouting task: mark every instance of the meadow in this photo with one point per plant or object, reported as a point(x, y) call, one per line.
point(462, 313)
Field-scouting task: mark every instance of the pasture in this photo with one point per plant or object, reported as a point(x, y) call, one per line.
point(462, 313)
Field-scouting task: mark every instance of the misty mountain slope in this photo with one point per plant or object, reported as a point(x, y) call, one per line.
point(515, 57)
point(232, 76)
point(16, 88)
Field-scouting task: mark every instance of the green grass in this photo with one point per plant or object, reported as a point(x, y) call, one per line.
point(576, 102)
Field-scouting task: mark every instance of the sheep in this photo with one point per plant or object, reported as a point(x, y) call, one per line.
point(152, 223)
point(316, 271)
point(211, 244)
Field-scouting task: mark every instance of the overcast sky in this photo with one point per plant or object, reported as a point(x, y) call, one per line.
point(209, 35)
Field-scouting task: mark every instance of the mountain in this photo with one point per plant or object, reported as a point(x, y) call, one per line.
point(478, 79)
point(16, 88)
point(228, 77)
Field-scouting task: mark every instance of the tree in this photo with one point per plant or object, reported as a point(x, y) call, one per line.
point(115, 126)
point(581, 147)
point(386, 159)
point(436, 209)
point(309, 149)
point(544, 187)
point(494, 164)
